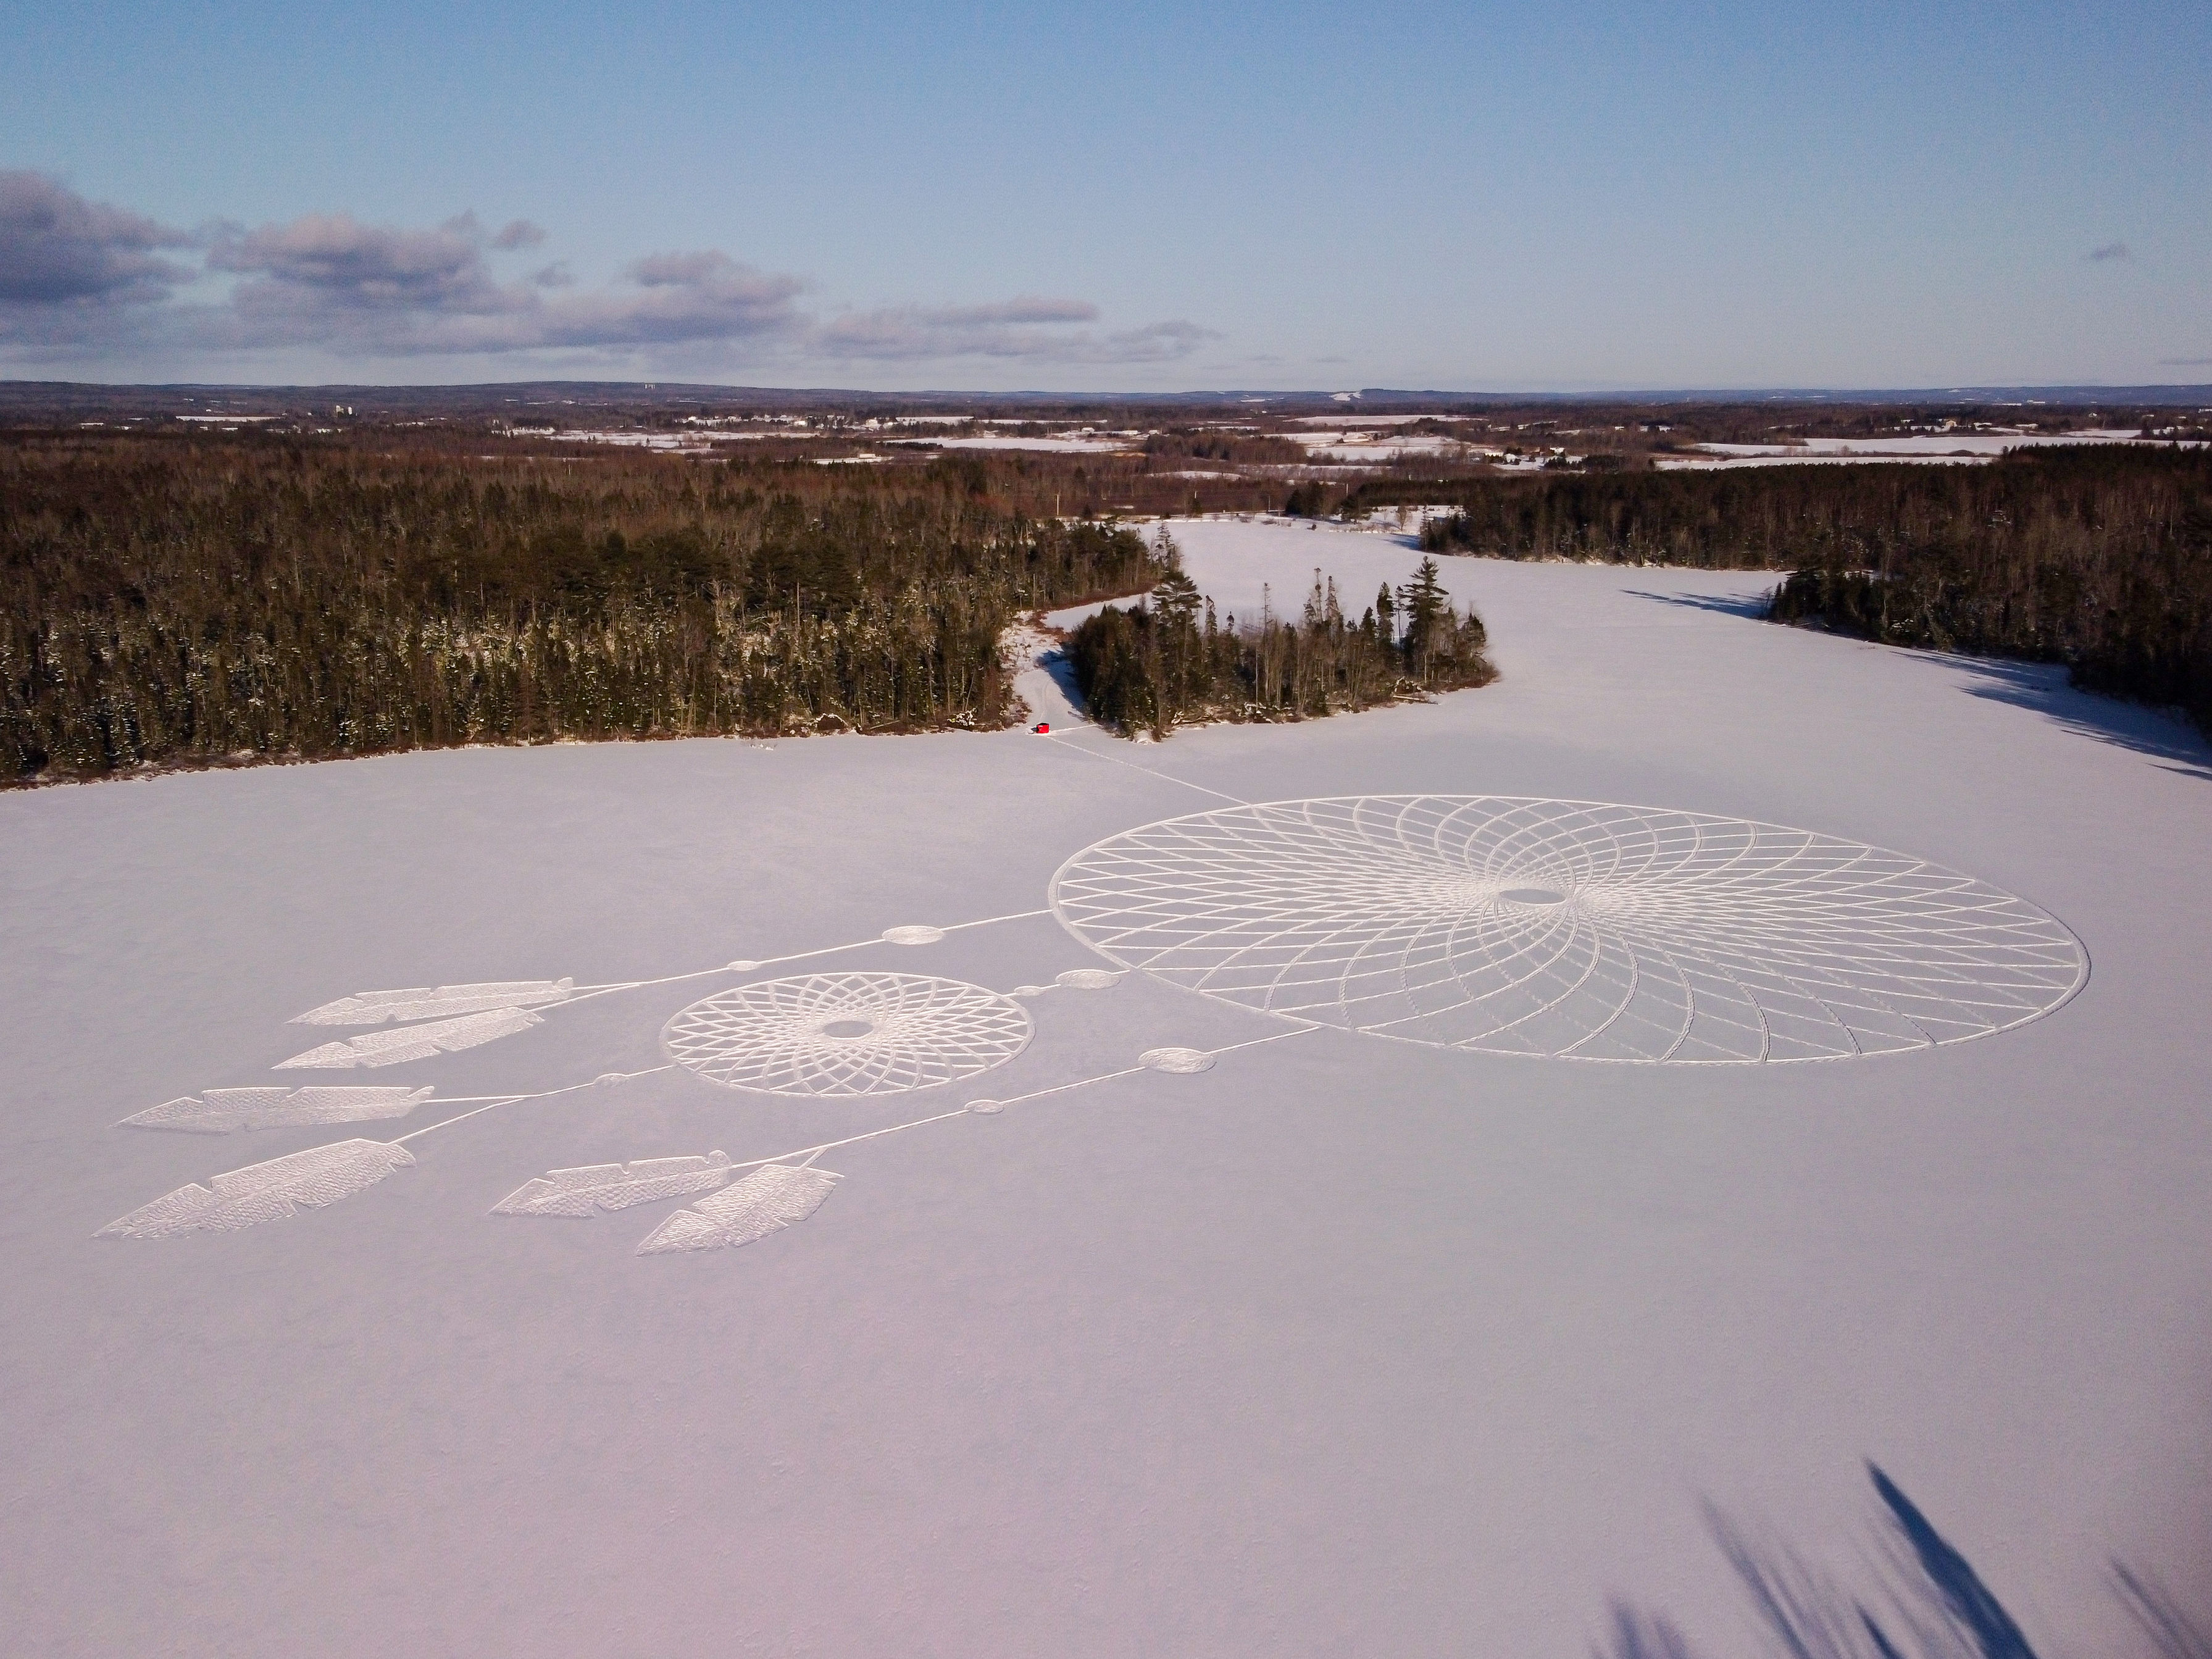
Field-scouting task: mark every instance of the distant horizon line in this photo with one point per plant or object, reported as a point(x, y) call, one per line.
point(14, 389)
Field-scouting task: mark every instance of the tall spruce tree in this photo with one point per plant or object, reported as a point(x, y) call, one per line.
point(1426, 608)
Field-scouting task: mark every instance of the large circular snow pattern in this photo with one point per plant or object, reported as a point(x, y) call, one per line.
point(1569, 928)
point(847, 1034)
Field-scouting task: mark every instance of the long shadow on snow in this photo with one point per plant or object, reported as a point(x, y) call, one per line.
point(1931, 1604)
point(1061, 667)
point(1750, 607)
point(2041, 687)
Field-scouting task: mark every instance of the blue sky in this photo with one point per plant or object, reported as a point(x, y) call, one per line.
point(1131, 197)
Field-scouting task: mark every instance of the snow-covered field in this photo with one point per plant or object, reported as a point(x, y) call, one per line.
point(1941, 448)
point(1351, 442)
point(1802, 458)
point(1338, 1345)
point(1085, 444)
point(1357, 420)
point(673, 443)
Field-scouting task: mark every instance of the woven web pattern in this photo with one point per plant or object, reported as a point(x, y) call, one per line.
point(847, 1034)
point(1569, 928)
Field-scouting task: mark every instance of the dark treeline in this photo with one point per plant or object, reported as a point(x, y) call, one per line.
point(1179, 473)
point(2103, 563)
point(1199, 445)
point(1764, 518)
point(178, 602)
point(2095, 556)
point(1175, 662)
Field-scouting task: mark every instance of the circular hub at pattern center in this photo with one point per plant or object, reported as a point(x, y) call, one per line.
point(1532, 896)
point(848, 1028)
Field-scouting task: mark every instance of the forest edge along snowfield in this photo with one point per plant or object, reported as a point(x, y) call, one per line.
point(1490, 1101)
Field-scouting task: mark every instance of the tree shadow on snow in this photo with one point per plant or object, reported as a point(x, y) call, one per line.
point(1061, 666)
point(2042, 688)
point(1750, 607)
point(1927, 1602)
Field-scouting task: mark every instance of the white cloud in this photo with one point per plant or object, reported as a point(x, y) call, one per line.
point(328, 280)
point(1027, 328)
point(72, 269)
point(518, 233)
point(80, 278)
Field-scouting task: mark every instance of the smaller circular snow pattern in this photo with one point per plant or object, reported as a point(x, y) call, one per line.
point(1569, 928)
point(841, 1035)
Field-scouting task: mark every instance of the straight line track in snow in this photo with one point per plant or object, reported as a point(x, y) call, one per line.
point(1116, 759)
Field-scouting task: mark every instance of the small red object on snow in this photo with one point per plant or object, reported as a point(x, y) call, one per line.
point(1043, 726)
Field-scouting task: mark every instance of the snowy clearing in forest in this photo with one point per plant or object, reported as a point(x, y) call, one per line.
point(1932, 448)
point(1105, 445)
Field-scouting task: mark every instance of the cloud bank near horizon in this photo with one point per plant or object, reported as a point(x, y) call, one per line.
point(85, 281)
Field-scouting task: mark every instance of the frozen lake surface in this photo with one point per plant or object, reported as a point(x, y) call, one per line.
point(1271, 1336)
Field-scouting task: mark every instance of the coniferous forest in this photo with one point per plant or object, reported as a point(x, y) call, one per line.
point(1173, 661)
point(189, 601)
point(171, 597)
point(2097, 557)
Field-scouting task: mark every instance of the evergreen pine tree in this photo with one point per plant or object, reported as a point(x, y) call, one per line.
point(1426, 607)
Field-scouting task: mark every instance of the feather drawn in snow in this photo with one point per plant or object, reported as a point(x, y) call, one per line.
point(219, 1111)
point(581, 1192)
point(445, 1037)
point(427, 1002)
point(771, 1198)
point(265, 1192)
